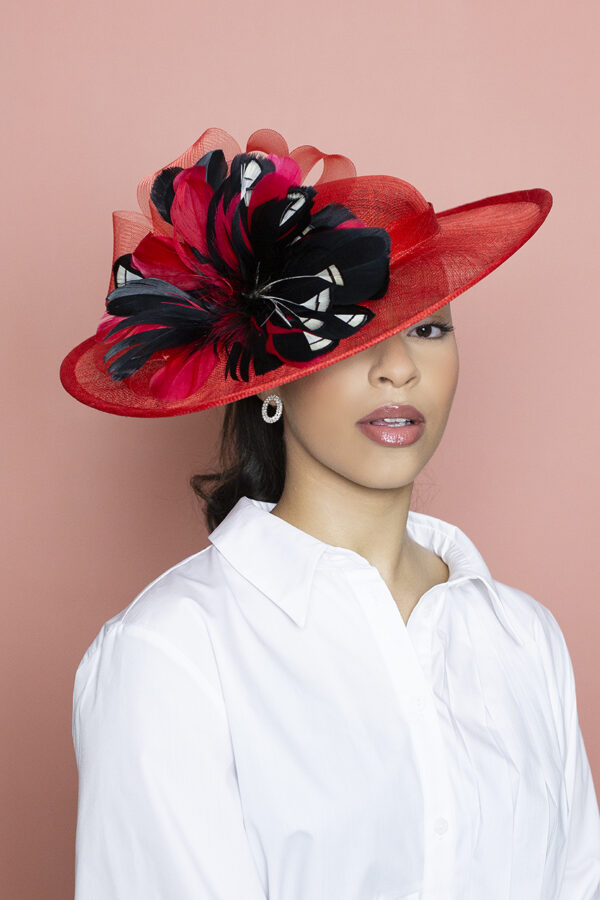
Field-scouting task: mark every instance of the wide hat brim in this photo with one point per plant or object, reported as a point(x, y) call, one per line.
point(464, 245)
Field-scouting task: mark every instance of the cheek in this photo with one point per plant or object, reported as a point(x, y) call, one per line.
point(444, 378)
point(437, 367)
point(321, 409)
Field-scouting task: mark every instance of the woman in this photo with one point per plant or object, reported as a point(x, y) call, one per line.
point(334, 699)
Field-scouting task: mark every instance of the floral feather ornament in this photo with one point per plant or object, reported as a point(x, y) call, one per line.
point(241, 268)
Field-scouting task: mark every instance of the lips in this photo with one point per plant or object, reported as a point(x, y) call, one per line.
point(392, 411)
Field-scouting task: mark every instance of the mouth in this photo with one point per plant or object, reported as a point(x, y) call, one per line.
point(393, 432)
point(393, 415)
point(395, 423)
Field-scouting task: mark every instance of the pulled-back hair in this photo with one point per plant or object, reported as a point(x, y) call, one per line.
point(251, 460)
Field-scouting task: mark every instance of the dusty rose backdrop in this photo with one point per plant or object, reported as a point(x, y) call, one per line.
point(464, 99)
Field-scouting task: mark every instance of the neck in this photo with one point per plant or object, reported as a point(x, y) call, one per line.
point(370, 521)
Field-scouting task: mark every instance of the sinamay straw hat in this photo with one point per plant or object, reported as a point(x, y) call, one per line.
point(236, 277)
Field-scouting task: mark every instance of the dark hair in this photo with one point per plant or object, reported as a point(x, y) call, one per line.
point(251, 459)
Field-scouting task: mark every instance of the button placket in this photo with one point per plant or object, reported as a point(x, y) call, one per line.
point(440, 826)
point(420, 703)
point(414, 694)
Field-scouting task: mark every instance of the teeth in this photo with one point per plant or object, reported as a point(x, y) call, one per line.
point(394, 422)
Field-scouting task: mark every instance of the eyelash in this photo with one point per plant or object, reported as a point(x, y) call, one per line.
point(444, 328)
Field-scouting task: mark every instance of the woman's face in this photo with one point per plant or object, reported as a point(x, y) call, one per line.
point(417, 366)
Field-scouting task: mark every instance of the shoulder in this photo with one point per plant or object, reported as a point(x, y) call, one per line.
point(543, 653)
point(527, 612)
point(529, 618)
point(535, 622)
point(166, 623)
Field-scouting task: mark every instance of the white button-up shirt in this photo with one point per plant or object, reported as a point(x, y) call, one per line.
point(260, 723)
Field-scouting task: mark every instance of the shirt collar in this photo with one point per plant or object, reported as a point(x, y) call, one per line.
point(280, 559)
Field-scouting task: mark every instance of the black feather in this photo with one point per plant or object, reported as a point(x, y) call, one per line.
point(216, 167)
point(290, 261)
point(162, 193)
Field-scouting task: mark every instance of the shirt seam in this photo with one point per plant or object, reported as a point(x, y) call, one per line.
point(168, 649)
point(159, 578)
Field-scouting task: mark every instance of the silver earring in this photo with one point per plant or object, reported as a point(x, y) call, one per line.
point(276, 399)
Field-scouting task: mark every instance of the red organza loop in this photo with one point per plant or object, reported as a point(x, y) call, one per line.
point(264, 140)
point(335, 166)
point(128, 230)
point(267, 140)
point(211, 139)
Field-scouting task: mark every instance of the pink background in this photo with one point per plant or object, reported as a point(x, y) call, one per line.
point(463, 99)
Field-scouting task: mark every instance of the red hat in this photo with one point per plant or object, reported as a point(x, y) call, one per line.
point(237, 277)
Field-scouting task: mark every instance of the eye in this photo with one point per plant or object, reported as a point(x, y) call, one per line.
point(427, 326)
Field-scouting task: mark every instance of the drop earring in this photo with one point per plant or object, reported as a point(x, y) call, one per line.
point(276, 399)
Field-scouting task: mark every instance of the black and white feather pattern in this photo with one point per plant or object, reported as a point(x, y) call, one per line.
point(248, 274)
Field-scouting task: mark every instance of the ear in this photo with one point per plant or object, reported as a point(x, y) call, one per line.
point(263, 394)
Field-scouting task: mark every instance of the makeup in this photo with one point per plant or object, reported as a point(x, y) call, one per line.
point(393, 425)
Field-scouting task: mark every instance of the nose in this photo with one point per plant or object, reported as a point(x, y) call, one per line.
point(392, 362)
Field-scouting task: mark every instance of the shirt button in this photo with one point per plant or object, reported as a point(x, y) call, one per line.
point(440, 826)
point(420, 703)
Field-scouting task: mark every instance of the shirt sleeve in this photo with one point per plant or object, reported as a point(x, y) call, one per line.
point(581, 878)
point(159, 813)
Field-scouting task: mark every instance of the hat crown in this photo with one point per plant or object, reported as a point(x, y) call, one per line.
point(379, 200)
point(384, 201)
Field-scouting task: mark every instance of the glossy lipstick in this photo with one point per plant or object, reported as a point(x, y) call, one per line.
point(385, 425)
